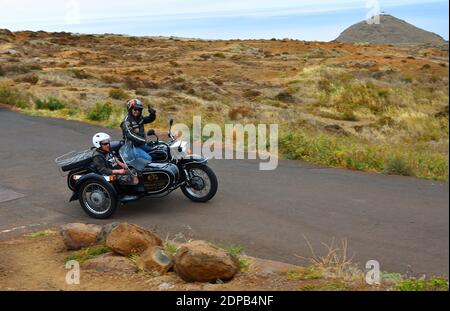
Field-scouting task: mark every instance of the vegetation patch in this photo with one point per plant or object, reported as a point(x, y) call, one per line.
point(38, 234)
point(88, 253)
point(119, 94)
point(13, 96)
point(49, 104)
point(101, 112)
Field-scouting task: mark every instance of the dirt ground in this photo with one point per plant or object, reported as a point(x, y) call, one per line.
point(38, 264)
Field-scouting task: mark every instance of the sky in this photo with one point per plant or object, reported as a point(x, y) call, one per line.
point(321, 20)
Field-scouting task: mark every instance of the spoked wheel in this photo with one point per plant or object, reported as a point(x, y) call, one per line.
point(203, 183)
point(97, 200)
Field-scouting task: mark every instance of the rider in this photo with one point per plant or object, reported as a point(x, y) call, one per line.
point(133, 127)
point(103, 159)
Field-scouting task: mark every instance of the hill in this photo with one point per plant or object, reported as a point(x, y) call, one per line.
point(390, 30)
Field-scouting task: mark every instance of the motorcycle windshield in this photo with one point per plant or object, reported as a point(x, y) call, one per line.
point(131, 157)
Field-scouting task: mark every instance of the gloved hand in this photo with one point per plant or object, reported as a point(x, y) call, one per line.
point(151, 111)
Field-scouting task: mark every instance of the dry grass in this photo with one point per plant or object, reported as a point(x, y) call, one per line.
point(390, 103)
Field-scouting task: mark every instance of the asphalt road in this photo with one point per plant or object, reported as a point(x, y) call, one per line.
point(400, 221)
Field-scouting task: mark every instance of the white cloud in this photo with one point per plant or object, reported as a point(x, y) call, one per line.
point(20, 12)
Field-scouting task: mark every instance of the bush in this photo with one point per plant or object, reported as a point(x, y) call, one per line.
point(118, 94)
point(50, 104)
point(101, 112)
point(13, 96)
point(219, 55)
point(285, 97)
point(2, 71)
point(397, 166)
point(251, 93)
point(433, 284)
point(80, 74)
point(30, 78)
point(21, 69)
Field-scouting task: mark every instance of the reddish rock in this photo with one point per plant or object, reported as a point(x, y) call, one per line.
point(77, 235)
point(126, 239)
point(200, 261)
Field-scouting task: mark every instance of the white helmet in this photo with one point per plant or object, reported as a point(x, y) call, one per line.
point(98, 138)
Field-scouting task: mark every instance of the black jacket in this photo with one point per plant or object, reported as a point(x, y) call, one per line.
point(133, 128)
point(102, 162)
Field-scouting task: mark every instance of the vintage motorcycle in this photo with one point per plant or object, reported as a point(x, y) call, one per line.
point(172, 168)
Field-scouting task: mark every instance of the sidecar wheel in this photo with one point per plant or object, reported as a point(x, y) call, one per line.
point(97, 200)
point(206, 184)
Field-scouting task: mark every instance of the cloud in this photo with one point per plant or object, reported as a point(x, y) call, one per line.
point(50, 11)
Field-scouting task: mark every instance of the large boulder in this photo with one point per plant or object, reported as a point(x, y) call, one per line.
point(109, 262)
point(200, 261)
point(106, 230)
point(126, 239)
point(77, 235)
point(155, 259)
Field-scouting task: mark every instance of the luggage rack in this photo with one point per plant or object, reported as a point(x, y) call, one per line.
point(69, 161)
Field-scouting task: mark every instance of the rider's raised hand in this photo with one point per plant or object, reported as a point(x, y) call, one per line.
point(151, 111)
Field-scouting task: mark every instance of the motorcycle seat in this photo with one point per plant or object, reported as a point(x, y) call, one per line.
point(115, 145)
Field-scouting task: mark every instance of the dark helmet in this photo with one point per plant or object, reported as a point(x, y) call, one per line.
point(134, 103)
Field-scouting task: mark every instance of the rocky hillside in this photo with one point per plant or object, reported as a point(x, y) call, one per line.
point(369, 107)
point(391, 30)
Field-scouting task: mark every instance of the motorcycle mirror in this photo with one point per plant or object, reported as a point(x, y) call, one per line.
point(151, 132)
point(171, 122)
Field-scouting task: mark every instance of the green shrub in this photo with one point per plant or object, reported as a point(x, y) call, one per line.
point(13, 96)
point(397, 166)
point(118, 94)
point(49, 104)
point(101, 112)
point(219, 55)
point(2, 71)
point(88, 253)
point(433, 284)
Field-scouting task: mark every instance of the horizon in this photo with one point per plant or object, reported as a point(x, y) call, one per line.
point(211, 20)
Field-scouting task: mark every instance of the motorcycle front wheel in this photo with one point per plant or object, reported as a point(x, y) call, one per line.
point(203, 183)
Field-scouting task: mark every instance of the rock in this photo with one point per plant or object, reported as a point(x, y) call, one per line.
point(12, 53)
point(155, 259)
point(110, 262)
point(106, 229)
point(77, 235)
point(200, 261)
point(127, 239)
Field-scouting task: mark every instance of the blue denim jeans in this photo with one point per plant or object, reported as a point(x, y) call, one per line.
point(142, 152)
